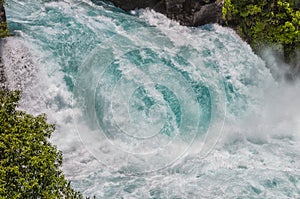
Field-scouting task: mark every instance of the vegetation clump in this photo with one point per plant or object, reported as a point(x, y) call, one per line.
point(265, 22)
point(4, 31)
point(29, 164)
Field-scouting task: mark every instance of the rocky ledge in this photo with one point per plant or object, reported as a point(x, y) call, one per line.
point(187, 12)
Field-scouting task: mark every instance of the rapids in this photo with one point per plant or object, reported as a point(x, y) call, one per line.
point(146, 108)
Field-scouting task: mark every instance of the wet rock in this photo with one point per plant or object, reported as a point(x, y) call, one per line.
point(187, 12)
point(2, 14)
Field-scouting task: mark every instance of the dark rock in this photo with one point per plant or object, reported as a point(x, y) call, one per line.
point(3, 79)
point(132, 4)
point(209, 13)
point(187, 12)
point(3, 25)
point(2, 14)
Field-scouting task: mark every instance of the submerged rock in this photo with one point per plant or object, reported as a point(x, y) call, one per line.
point(187, 12)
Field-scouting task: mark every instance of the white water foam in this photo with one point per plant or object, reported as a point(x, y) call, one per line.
point(257, 156)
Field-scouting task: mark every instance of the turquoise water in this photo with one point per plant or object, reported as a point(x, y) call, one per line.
point(146, 108)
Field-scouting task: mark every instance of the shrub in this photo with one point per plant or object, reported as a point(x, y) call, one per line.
point(264, 22)
point(4, 31)
point(29, 164)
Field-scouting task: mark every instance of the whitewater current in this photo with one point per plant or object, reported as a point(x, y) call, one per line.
point(146, 108)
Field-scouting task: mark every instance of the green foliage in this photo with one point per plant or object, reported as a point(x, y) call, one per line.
point(4, 31)
point(29, 164)
point(265, 22)
point(228, 11)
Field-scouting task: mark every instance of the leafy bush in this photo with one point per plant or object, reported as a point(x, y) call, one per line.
point(29, 164)
point(265, 22)
point(4, 31)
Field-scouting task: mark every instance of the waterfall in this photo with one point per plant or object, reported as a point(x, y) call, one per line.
point(147, 108)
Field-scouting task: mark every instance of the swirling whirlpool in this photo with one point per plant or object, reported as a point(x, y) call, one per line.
point(144, 105)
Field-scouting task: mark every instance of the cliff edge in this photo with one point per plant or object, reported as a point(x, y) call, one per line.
point(187, 12)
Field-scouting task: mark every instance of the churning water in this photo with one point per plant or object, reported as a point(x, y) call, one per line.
point(146, 108)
